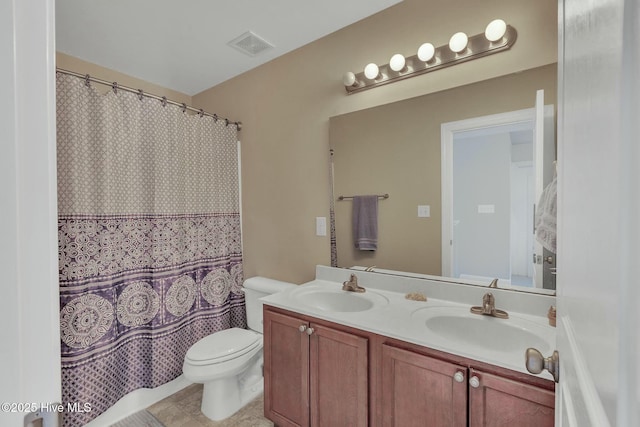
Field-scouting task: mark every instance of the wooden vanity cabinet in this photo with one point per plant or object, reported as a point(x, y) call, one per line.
point(419, 391)
point(498, 401)
point(424, 387)
point(315, 375)
point(286, 370)
point(322, 374)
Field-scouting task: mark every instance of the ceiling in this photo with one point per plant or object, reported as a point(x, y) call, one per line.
point(182, 44)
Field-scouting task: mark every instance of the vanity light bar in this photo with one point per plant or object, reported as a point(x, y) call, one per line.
point(477, 47)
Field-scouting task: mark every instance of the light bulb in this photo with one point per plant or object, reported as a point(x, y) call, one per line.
point(371, 71)
point(397, 62)
point(495, 30)
point(349, 79)
point(426, 52)
point(458, 42)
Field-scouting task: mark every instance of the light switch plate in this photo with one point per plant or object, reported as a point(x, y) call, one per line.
point(424, 211)
point(321, 226)
point(486, 209)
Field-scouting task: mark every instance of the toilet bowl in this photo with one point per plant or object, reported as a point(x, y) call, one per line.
point(229, 363)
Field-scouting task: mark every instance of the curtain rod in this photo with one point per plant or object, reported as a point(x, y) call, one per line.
point(115, 86)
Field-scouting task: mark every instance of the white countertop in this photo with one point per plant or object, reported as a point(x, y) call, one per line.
point(394, 316)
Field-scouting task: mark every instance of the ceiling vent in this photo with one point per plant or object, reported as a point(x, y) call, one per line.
point(250, 44)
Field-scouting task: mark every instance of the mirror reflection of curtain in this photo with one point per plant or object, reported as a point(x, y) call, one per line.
point(149, 240)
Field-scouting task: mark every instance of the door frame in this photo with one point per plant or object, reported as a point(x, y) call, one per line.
point(29, 245)
point(447, 135)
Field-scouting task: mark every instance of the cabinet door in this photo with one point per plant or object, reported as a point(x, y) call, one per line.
point(339, 378)
point(420, 391)
point(497, 401)
point(286, 370)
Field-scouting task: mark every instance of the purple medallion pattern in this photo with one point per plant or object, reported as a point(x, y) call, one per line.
point(84, 320)
point(216, 286)
point(181, 296)
point(137, 304)
point(131, 328)
point(237, 279)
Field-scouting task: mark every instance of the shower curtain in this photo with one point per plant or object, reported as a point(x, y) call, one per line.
point(150, 256)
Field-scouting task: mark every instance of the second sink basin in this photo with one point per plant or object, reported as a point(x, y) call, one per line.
point(336, 300)
point(502, 335)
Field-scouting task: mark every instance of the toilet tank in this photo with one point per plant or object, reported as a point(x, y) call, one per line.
point(256, 288)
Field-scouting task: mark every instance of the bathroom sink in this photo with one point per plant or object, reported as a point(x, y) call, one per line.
point(337, 300)
point(502, 335)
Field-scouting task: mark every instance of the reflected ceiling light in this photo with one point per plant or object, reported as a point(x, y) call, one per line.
point(349, 79)
point(458, 42)
point(371, 71)
point(498, 37)
point(397, 62)
point(426, 51)
point(495, 30)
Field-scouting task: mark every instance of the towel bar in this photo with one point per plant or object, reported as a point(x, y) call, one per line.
point(380, 196)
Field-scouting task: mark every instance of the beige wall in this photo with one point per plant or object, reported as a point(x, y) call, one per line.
point(395, 149)
point(285, 107)
point(71, 63)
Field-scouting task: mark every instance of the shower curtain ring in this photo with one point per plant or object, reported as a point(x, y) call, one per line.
point(226, 122)
point(201, 113)
point(87, 80)
point(114, 86)
point(184, 107)
point(164, 101)
point(140, 94)
point(215, 118)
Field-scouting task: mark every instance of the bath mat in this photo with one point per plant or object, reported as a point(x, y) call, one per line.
point(139, 419)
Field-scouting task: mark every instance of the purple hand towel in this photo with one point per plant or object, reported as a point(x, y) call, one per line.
point(365, 222)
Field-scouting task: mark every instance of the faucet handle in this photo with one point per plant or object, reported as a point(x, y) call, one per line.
point(488, 298)
point(353, 281)
point(352, 284)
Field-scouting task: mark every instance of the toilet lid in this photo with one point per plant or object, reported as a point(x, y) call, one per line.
point(222, 344)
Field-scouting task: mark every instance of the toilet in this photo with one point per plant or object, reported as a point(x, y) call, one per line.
point(229, 362)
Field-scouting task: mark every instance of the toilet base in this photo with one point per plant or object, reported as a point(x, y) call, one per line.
point(224, 397)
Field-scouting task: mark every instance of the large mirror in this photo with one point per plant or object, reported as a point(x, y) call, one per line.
point(396, 149)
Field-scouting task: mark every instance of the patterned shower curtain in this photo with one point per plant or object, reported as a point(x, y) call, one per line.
point(149, 241)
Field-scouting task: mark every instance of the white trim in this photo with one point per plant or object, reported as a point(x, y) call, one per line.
point(28, 231)
point(447, 131)
point(138, 400)
point(581, 404)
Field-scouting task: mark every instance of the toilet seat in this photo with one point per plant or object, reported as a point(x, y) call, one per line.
point(223, 346)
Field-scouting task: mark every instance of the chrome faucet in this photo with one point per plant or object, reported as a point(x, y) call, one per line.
point(352, 285)
point(488, 307)
point(488, 303)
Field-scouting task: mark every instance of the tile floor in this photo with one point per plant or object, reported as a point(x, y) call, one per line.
point(183, 410)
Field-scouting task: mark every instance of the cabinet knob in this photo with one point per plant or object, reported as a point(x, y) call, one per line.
point(302, 328)
point(474, 382)
point(458, 377)
point(309, 331)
